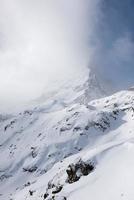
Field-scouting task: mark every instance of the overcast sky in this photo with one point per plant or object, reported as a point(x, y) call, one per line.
point(45, 39)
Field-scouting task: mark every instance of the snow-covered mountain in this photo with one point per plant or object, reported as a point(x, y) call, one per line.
point(83, 85)
point(68, 146)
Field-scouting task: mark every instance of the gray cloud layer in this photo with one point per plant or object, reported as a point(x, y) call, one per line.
point(45, 40)
point(41, 41)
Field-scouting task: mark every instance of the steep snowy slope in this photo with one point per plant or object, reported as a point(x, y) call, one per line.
point(81, 86)
point(95, 139)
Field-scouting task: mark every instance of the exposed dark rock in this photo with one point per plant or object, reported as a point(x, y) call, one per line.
point(9, 125)
point(115, 105)
point(31, 192)
point(76, 114)
point(100, 126)
point(77, 128)
point(54, 198)
point(51, 190)
point(28, 112)
point(46, 195)
point(27, 184)
point(50, 185)
point(39, 134)
point(31, 169)
point(72, 175)
point(116, 112)
point(75, 171)
point(87, 128)
point(57, 189)
point(34, 152)
point(62, 129)
point(6, 127)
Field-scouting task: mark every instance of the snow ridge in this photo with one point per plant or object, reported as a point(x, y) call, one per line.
point(65, 149)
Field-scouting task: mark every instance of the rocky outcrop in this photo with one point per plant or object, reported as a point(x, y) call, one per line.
point(75, 171)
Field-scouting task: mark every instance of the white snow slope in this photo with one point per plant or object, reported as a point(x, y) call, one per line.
point(38, 145)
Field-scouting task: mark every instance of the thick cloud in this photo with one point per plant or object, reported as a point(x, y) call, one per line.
point(41, 41)
point(48, 40)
